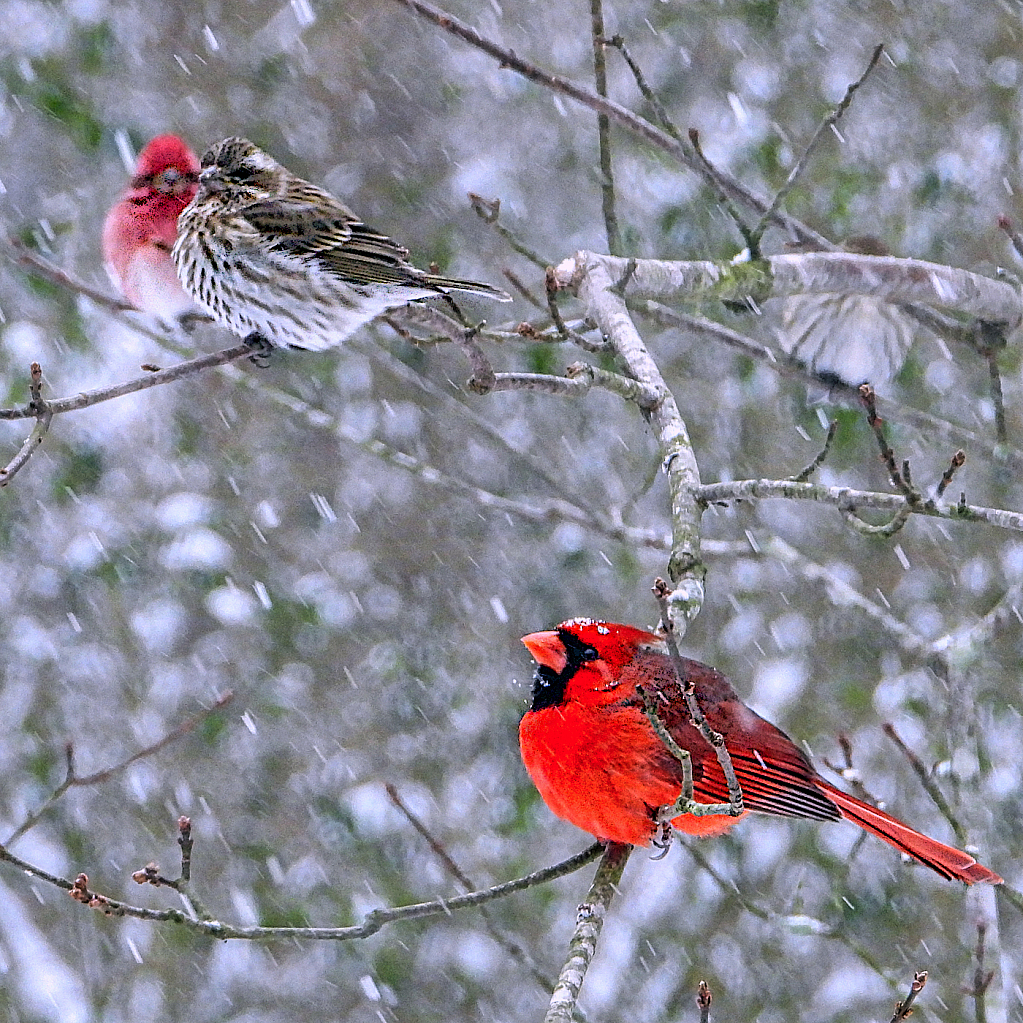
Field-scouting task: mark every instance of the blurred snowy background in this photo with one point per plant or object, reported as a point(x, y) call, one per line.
point(236, 531)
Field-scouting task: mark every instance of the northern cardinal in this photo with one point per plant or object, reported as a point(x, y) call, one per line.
point(598, 763)
point(141, 227)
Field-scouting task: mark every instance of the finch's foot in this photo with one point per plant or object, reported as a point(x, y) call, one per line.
point(188, 321)
point(454, 308)
point(261, 349)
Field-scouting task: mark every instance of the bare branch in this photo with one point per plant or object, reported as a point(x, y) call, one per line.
point(703, 1001)
point(887, 277)
point(796, 173)
point(844, 595)
point(647, 398)
point(715, 740)
point(784, 366)
point(615, 111)
point(607, 179)
point(513, 948)
point(54, 274)
point(489, 211)
point(44, 414)
point(544, 383)
point(847, 499)
point(373, 922)
point(73, 780)
point(618, 42)
point(1007, 226)
point(804, 474)
point(588, 925)
point(596, 286)
point(904, 1009)
point(164, 376)
point(927, 782)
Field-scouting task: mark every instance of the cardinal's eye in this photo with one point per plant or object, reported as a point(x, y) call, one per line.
point(589, 654)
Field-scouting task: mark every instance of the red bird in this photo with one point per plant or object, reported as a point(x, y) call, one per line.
point(598, 763)
point(141, 227)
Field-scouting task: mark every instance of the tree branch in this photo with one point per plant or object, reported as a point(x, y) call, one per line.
point(597, 287)
point(615, 111)
point(372, 922)
point(849, 500)
point(588, 925)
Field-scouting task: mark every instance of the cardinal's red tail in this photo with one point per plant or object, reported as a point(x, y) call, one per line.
point(951, 863)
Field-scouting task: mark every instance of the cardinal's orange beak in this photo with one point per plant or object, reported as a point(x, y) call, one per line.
point(547, 649)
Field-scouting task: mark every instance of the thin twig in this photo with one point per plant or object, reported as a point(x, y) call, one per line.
point(804, 474)
point(927, 782)
point(615, 111)
point(797, 171)
point(714, 176)
point(663, 118)
point(662, 592)
point(849, 773)
point(520, 286)
point(73, 780)
point(513, 948)
point(371, 923)
point(979, 635)
point(958, 460)
point(647, 398)
point(482, 379)
point(847, 499)
point(784, 366)
point(885, 529)
point(1007, 226)
point(703, 1001)
point(185, 842)
point(842, 594)
point(904, 1009)
point(997, 399)
point(684, 804)
point(876, 423)
point(54, 274)
point(544, 511)
point(44, 415)
point(607, 178)
point(545, 383)
point(981, 978)
point(164, 376)
point(489, 211)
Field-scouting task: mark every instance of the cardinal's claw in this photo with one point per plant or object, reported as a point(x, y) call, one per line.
point(662, 842)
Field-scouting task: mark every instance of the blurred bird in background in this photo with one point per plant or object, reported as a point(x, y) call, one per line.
point(141, 227)
point(850, 339)
point(279, 260)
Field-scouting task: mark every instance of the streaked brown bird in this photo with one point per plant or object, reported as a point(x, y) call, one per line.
point(280, 261)
point(848, 338)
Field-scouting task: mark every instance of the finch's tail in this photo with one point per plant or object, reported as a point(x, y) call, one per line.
point(951, 863)
point(472, 287)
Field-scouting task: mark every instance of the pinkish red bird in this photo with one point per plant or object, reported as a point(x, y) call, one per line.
point(140, 228)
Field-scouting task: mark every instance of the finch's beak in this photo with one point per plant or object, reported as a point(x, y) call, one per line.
point(547, 649)
point(210, 179)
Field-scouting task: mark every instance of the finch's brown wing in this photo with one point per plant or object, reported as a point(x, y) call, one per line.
point(328, 234)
